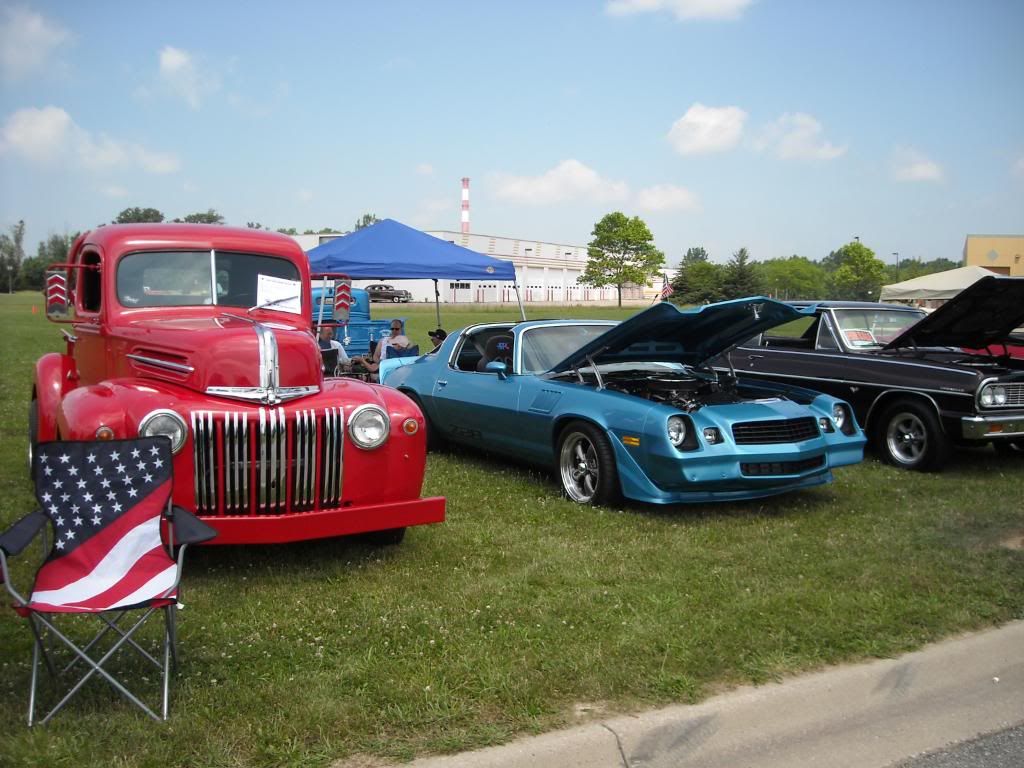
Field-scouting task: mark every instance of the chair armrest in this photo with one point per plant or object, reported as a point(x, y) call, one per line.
point(17, 537)
point(189, 529)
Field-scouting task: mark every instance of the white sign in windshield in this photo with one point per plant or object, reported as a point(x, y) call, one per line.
point(279, 294)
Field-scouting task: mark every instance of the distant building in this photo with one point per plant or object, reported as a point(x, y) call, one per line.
point(1002, 254)
point(546, 273)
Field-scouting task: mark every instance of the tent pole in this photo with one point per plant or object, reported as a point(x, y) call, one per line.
point(437, 303)
point(520, 300)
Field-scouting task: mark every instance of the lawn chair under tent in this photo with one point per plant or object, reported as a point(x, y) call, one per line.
point(116, 555)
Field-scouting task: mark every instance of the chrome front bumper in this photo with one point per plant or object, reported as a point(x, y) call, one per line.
point(992, 426)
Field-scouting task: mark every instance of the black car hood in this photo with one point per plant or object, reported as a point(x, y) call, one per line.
point(984, 313)
point(664, 333)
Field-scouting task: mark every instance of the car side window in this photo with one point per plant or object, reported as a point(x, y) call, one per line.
point(826, 340)
point(467, 356)
point(753, 342)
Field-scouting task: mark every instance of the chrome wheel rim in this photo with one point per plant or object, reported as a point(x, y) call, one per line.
point(579, 468)
point(906, 438)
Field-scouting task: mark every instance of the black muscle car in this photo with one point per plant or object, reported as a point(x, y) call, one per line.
point(919, 384)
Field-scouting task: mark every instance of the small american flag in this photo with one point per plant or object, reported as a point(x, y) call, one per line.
point(106, 501)
point(666, 290)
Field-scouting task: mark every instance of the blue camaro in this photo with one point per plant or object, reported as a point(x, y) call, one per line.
point(633, 408)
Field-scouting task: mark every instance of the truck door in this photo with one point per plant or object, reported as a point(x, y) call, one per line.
point(91, 345)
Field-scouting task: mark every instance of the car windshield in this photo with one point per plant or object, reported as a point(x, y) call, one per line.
point(873, 328)
point(545, 346)
point(192, 278)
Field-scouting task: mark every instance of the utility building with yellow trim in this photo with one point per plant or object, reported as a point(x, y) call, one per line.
point(1002, 254)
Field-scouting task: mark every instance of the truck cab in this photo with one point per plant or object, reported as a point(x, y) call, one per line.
point(203, 333)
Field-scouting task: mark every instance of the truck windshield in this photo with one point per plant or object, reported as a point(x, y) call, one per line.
point(189, 278)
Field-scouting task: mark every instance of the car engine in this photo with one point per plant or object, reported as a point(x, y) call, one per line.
point(686, 390)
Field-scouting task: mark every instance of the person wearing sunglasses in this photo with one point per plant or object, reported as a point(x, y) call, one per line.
point(397, 340)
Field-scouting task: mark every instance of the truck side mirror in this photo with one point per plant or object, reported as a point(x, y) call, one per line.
point(58, 295)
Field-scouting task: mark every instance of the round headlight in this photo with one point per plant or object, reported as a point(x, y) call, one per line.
point(998, 395)
point(166, 423)
point(368, 426)
point(839, 415)
point(676, 430)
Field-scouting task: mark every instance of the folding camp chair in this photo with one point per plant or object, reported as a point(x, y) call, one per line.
point(114, 536)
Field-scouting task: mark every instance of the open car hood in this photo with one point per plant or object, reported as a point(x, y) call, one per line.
point(983, 313)
point(665, 333)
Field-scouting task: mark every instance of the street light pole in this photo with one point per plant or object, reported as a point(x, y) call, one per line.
point(897, 255)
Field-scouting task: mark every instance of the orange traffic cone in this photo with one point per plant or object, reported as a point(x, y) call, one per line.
point(35, 310)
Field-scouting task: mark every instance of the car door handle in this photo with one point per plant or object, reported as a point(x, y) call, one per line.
point(755, 357)
point(442, 382)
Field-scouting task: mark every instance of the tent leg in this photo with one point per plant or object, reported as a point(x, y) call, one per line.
point(519, 298)
point(437, 303)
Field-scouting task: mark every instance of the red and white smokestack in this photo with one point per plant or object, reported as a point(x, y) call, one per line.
point(465, 205)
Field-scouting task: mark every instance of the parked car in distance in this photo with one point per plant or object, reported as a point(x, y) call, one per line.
point(381, 292)
point(913, 381)
point(633, 408)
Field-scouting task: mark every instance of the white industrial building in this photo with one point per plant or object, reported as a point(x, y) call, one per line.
point(545, 272)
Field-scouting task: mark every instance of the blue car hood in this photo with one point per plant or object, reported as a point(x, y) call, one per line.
point(665, 333)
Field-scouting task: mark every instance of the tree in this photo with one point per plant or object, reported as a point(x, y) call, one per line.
point(138, 216)
point(681, 279)
point(703, 285)
point(366, 220)
point(793, 278)
point(52, 250)
point(288, 231)
point(12, 251)
point(741, 278)
point(253, 225)
point(621, 252)
point(859, 276)
point(210, 217)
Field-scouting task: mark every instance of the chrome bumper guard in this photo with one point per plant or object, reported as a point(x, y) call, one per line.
point(988, 427)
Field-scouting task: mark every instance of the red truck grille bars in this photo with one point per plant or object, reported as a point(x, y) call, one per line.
point(268, 462)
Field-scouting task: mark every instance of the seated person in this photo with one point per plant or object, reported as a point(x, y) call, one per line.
point(328, 343)
point(397, 340)
point(437, 336)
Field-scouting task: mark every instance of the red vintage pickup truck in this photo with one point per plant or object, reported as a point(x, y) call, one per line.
point(204, 334)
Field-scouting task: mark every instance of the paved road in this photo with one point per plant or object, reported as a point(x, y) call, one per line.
point(1003, 749)
point(870, 715)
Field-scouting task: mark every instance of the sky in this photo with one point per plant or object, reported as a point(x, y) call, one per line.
point(783, 126)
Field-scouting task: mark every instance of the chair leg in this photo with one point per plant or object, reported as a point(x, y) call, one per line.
point(168, 653)
point(35, 680)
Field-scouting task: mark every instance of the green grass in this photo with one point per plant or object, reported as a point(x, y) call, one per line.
point(522, 606)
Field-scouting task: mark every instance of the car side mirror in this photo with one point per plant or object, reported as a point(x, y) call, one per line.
point(58, 296)
point(497, 367)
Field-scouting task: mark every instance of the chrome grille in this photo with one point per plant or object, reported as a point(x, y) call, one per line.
point(267, 461)
point(1014, 395)
point(776, 431)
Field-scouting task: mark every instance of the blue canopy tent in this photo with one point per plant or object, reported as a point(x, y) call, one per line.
point(390, 249)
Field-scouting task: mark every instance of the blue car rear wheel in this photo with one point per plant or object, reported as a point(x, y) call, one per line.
point(586, 465)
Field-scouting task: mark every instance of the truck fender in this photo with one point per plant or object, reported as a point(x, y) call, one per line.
point(54, 377)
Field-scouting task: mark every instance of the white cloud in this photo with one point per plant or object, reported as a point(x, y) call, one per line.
point(908, 164)
point(180, 72)
point(683, 10)
point(114, 191)
point(425, 169)
point(667, 197)
point(1018, 167)
point(304, 195)
point(49, 136)
point(28, 40)
point(707, 129)
point(797, 136)
point(569, 180)
point(436, 212)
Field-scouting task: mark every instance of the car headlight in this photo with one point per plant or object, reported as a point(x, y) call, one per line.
point(369, 426)
point(167, 423)
point(993, 396)
point(676, 430)
point(843, 418)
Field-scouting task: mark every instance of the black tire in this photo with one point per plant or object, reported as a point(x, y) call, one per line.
point(434, 440)
point(392, 537)
point(33, 434)
point(1009, 447)
point(909, 436)
point(585, 465)
point(396, 299)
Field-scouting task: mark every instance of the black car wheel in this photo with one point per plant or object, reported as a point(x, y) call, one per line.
point(586, 465)
point(396, 299)
point(910, 437)
point(434, 440)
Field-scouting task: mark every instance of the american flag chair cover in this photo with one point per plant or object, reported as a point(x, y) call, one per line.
point(114, 534)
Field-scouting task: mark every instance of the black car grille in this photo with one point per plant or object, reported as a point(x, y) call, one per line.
point(781, 467)
point(777, 431)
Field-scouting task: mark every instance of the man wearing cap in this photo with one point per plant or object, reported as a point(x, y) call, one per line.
point(437, 336)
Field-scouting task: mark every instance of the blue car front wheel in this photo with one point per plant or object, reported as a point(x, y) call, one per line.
point(586, 465)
